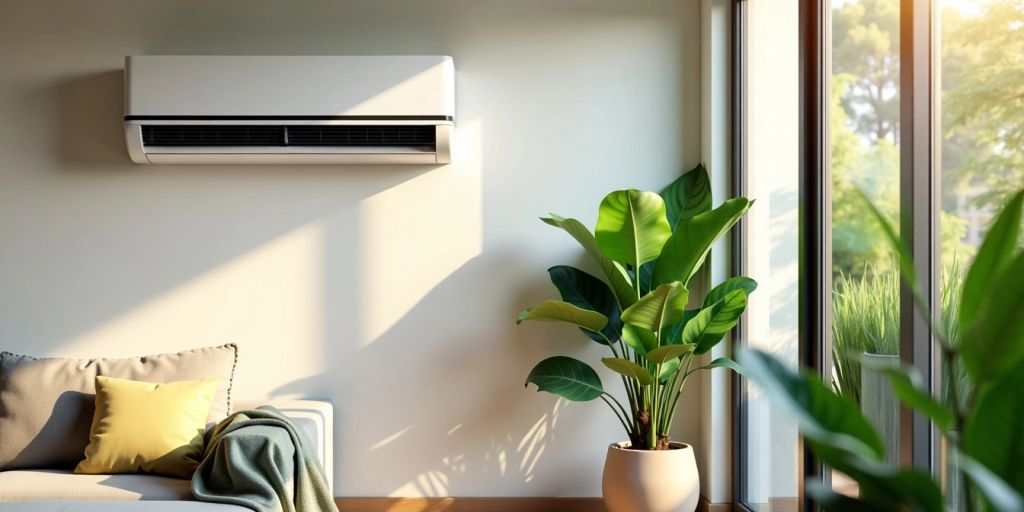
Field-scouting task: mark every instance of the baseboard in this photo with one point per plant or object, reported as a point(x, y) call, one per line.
point(705, 506)
point(470, 504)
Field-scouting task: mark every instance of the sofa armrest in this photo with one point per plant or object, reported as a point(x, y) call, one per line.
point(316, 419)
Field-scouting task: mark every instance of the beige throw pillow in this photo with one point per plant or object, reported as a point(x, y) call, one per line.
point(47, 404)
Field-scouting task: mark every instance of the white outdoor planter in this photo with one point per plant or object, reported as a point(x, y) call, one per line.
point(650, 481)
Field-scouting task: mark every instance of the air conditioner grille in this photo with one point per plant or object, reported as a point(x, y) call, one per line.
point(205, 135)
point(288, 135)
point(388, 135)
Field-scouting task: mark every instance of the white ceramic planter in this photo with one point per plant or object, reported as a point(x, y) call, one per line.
point(650, 481)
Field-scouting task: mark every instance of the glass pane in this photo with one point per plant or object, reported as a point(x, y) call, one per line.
point(865, 127)
point(771, 246)
point(982, 140)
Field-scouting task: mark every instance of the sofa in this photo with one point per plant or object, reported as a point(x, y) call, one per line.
point(48, 404)
point(38, 490)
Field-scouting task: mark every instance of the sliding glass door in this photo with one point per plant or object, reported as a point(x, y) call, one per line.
point(914, 105)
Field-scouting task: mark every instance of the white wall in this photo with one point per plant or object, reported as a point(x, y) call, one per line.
point(390, 291)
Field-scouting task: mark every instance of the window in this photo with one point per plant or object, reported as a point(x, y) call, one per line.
point(981, 132)
point(769, 162)
point(864, 143)
point(915, 103)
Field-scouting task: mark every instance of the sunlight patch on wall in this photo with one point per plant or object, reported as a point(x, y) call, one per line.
point(414, 235)
point(388, 440)
point(263, 300)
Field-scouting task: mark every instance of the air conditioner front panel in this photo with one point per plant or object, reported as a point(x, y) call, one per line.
point(289, 86)
point(311, 109)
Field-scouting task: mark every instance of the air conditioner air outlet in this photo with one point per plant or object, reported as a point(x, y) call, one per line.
point(422, 137)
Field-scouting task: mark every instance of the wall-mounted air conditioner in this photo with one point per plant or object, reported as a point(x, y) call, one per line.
point(289, 109)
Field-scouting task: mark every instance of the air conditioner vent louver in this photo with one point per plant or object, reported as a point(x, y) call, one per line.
point(282, 135)
point(361, 135)
point(188, 135)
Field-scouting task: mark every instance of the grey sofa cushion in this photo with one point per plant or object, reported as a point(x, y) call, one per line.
point(47, 404)
point(118, 506)
point(52, 484)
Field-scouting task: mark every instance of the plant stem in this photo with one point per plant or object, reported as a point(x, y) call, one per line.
point(630, 394)
point(679, 391)
point(605, 397)
point(949, 355)
point(614, 352)
point(625, 383)
point(655, 412)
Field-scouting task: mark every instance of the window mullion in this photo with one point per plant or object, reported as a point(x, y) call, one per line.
point(919, 201)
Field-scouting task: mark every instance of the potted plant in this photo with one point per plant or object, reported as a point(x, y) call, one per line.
point(649, 248)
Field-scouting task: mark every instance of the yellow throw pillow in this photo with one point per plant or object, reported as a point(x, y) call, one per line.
point(143, 427)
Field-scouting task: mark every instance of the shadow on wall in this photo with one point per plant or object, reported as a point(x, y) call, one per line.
point(460, 417)
point(91, 124)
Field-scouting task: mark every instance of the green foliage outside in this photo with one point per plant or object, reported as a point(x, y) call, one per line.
point(983, 100)
point(982, 105)
point(865, 320)
point(982, 155)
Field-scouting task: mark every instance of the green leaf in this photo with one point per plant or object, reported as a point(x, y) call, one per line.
point(995, 342)
point(687, 196)
point(632, 227)
point(994, 434)
point(662, 307)
point(841, 437)
point(616, 275)
point(835, 425)
point(882, 488)
point(668, 369)
point(673, 334)
point(896, 493)
point(829, 500)
point(719, 292)
point(668, 352)
point(639, 338)
point(558, 311)
point(645, 274)
point(712, 323)
point(908, 385)
point(629, 369)
point(690, 244)
point(991, 323)
point(724, 362)
point(566, 377)
point(999, 494)
point(995, 253)
point(588, 292)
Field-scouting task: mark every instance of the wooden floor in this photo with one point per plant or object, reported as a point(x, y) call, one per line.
point(494, 505)
point(470, 504)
